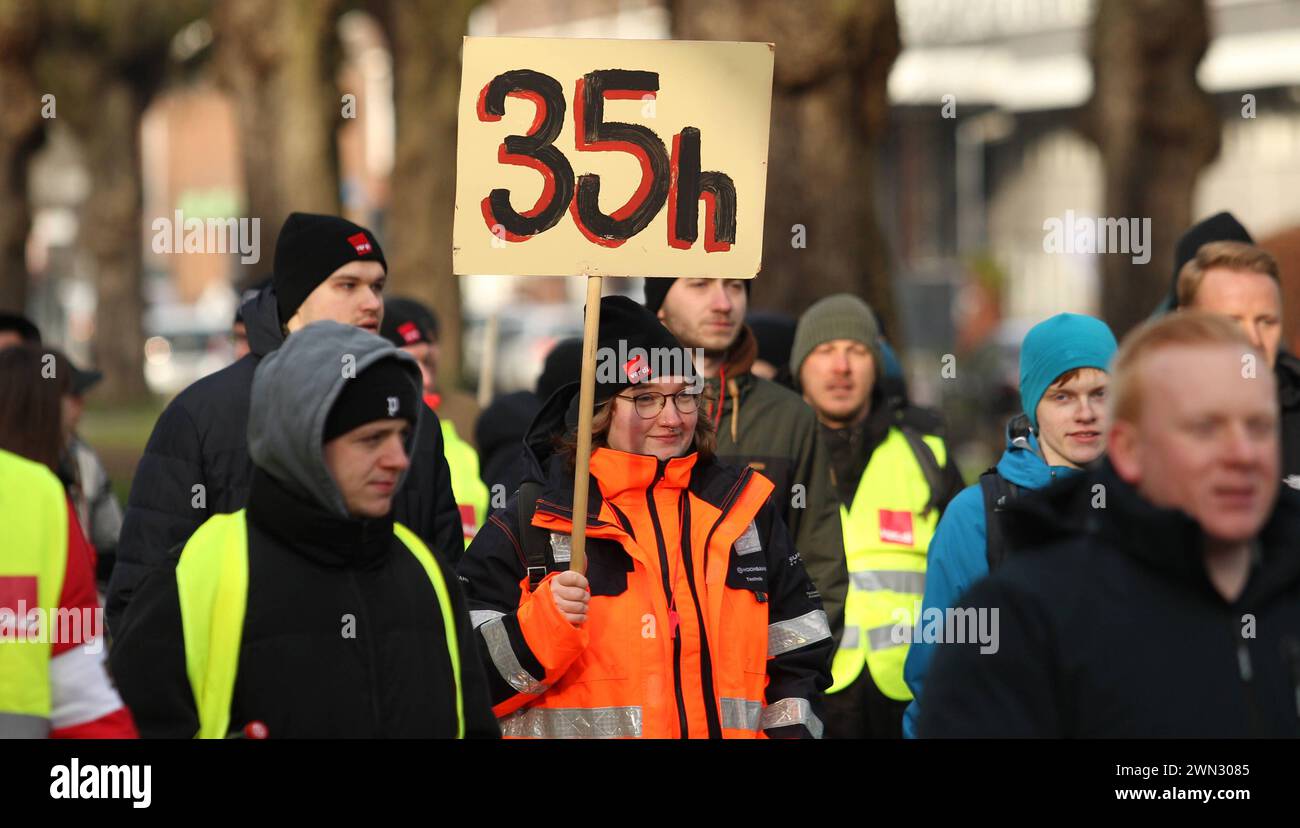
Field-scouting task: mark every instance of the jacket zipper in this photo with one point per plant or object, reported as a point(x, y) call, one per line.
point(668, 596)
point(727, 503)
point(706, 663)
point(370, 653)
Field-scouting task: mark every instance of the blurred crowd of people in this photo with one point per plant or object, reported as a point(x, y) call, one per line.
point(320, 540)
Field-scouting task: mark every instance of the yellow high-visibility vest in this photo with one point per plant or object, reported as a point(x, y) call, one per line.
point(886, 536)
point(212, 583)
point(470, 490)
point(33, 560)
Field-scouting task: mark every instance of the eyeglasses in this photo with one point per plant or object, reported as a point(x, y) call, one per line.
point(649, 403)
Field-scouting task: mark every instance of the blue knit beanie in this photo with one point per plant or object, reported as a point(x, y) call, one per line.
point(1057, 345)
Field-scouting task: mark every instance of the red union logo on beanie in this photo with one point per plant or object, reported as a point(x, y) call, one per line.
point(410, 333)
point(637, 369)
point(361, 243)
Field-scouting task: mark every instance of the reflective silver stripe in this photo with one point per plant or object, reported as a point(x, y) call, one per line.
point(791, 712)
point(23, 726)
point(573, 723)
point(784, 636)
point(849, 640)
point(478, 618)
point(882, 638)
point(741, 714)
point(911, 583)
point(507, 663)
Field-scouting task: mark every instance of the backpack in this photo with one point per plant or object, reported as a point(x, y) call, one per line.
point(535, 541)
point(998, 492)
point(929, 465)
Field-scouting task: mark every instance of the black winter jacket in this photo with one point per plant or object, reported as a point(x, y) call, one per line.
point(343, 636)
point(1288, 397)
point(196, 464)
point(1110, 627)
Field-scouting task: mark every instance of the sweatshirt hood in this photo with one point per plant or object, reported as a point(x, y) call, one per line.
point(294, 389)
point(1022, 463)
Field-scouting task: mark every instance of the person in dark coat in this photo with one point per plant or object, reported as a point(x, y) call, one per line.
point(196, 463)
point(500, 429)
point(1242, 282)
point(344, 630)
point(1157, 596)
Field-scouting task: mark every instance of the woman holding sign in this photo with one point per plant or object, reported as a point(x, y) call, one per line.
point(694, 619)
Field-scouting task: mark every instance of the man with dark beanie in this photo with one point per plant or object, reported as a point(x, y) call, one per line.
point(1222, 226)
point(412, 327)
point(1218, 268)
point(196, 463)
point(417, 327)
point(759, 423)
point(312, 612)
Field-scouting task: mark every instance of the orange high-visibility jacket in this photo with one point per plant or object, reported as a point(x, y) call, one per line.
point(702, 621)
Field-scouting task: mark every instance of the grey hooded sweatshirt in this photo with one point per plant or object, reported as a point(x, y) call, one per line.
point(293, 392)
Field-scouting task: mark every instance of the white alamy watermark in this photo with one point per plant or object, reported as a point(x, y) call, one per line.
point(65, 625)
point(636, 365)
point(77, 781)
point(178, 234)
point(1073, 234)
point(948, 625)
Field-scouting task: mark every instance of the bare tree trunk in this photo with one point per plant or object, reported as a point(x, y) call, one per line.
point(829, 107)
point(1156, 129)
point(425, 37)
point(277, 63)
point(110, 228)
point(245, 50)
point(308, 104)
point(103, 74)
point(21, 131)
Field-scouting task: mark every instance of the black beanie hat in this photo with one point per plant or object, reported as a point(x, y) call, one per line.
point(311, 247)
point(624, 327)
point(31, 335)
point(774, 332)
point(563, 365)
point(382, 391)
point(657, 289)
point(408, 322)
point(1218, 227)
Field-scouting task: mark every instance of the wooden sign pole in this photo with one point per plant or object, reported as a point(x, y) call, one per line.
point(586, 399)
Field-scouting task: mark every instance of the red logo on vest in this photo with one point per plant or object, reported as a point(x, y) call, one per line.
point(410, 332)
point(468, 525)
point(18, 604)
point(896, 527)
point(361, 243)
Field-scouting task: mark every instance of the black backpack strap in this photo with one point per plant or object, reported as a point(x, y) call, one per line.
point(998, 492)
point(535, 541)
point(929, 465)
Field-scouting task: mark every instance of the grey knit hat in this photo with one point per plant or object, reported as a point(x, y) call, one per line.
point(842, 316)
